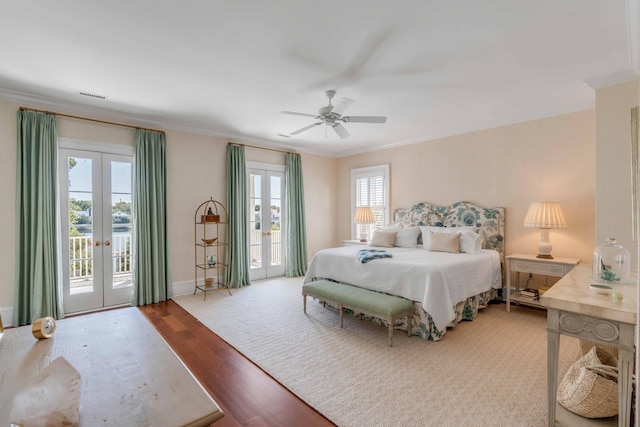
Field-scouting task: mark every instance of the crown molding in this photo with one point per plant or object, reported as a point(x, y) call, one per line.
point(612, 79)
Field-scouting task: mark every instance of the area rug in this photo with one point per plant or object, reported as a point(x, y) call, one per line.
point(487, 372)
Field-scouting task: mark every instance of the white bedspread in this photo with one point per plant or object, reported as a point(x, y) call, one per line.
point(439, 280)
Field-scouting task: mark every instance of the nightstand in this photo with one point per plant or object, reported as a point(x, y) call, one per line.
point(523, 263)
point(354, 243)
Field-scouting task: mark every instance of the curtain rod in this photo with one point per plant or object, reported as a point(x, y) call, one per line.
point(262, 148)
point(89, 120)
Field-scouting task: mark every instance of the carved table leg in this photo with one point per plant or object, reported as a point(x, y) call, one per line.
point(553, 350)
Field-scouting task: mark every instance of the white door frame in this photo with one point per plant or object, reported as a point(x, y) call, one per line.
point(103, 293)
point(267, 269)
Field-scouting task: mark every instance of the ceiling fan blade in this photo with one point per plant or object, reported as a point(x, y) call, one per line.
point(341, 131)
point(364, 119)
point(293, 113)
point(342, 105)
point(305, 128)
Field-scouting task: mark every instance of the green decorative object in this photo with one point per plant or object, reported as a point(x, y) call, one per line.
point(607, 274)
point(611, 262)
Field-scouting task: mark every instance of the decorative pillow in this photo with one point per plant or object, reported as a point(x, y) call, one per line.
point(407, 237)
point(383, 239)
point(442, 242)
point(470, 242)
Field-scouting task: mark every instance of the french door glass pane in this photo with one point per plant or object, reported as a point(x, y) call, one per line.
point(255, 219)
point(276, 222)
point(121, 230)
point(80, 225)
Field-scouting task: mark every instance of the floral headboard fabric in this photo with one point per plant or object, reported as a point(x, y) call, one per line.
point(489, 223)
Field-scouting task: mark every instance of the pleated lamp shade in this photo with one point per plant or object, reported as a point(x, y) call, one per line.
point(545, 215)
point(364, 215)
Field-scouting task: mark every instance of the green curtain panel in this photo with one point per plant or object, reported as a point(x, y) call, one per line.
point(151, 278)
point(238, 251)
point(37, 291)
point(296, 259)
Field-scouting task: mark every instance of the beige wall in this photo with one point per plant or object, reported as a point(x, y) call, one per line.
point(8, 137)
point(613, 166)
point(509, 166)
point(196, 170)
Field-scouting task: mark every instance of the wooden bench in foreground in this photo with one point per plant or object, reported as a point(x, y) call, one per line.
point(371, 303)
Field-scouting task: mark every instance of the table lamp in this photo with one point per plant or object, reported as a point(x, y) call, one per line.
point(364, 215)
point(545, 215)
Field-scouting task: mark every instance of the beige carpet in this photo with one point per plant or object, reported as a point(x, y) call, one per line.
point(489, 372)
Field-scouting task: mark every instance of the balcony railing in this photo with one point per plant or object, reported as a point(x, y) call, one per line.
point(81, 256)
point(256, 248)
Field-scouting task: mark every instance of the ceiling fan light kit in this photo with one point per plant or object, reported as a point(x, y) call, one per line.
point(331, 115)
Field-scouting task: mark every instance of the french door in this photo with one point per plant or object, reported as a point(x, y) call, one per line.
point(96, 229)
point(266, 221)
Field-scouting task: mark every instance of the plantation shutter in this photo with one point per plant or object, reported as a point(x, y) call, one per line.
point(370, 188)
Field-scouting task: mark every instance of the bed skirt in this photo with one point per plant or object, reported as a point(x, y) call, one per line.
point(423, 326)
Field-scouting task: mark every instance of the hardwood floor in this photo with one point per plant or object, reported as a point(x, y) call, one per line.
point(246, 394)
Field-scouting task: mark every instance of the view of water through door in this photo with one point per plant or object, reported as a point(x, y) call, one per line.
point(95, 216)
point(266, 221)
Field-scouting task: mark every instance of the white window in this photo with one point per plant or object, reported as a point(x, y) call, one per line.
point(370, 187)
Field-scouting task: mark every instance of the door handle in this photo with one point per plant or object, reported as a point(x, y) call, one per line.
point(96, 243)
point(107, 242)
point(264, 234)
point(269, 233)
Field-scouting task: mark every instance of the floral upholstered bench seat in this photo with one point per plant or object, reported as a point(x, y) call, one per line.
point(359, 300)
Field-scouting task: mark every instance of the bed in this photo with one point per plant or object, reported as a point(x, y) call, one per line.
point(446, 288)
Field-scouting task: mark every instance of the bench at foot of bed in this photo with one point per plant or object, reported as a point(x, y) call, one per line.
point(371, 303)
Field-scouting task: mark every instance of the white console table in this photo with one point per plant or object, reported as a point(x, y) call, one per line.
point(574, 309)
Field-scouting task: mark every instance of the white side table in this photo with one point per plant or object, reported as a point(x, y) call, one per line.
point(524, 263)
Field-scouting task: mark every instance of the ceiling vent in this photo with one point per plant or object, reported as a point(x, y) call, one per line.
point(92, 95)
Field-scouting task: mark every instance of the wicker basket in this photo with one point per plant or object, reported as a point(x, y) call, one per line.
point(590, 386)
point(586, 345)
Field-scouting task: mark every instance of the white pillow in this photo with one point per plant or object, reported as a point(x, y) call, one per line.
point(442, 242)
point(406, 237)
point(470, 242)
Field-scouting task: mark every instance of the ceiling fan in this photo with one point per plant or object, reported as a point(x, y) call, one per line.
point(331, 115)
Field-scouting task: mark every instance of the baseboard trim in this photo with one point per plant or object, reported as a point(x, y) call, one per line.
point(7, 316)
point(183, 288)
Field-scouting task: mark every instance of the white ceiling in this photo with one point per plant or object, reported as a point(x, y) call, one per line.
point(434, 68)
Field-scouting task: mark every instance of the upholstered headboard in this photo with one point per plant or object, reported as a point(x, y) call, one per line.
point(489, 222)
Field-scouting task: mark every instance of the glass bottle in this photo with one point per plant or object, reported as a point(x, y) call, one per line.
point(611, 262)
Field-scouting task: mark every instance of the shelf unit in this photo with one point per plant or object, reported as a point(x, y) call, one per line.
point(211, 223)
point(524, 263)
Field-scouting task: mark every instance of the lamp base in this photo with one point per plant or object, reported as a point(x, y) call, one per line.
point(544, 247)
point(363, 237)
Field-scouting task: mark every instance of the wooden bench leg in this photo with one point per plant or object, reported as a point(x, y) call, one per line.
point(304, 298)
point(391, 322)
point(341, 315)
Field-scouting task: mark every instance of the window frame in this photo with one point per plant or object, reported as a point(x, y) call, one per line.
point(369, 172)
